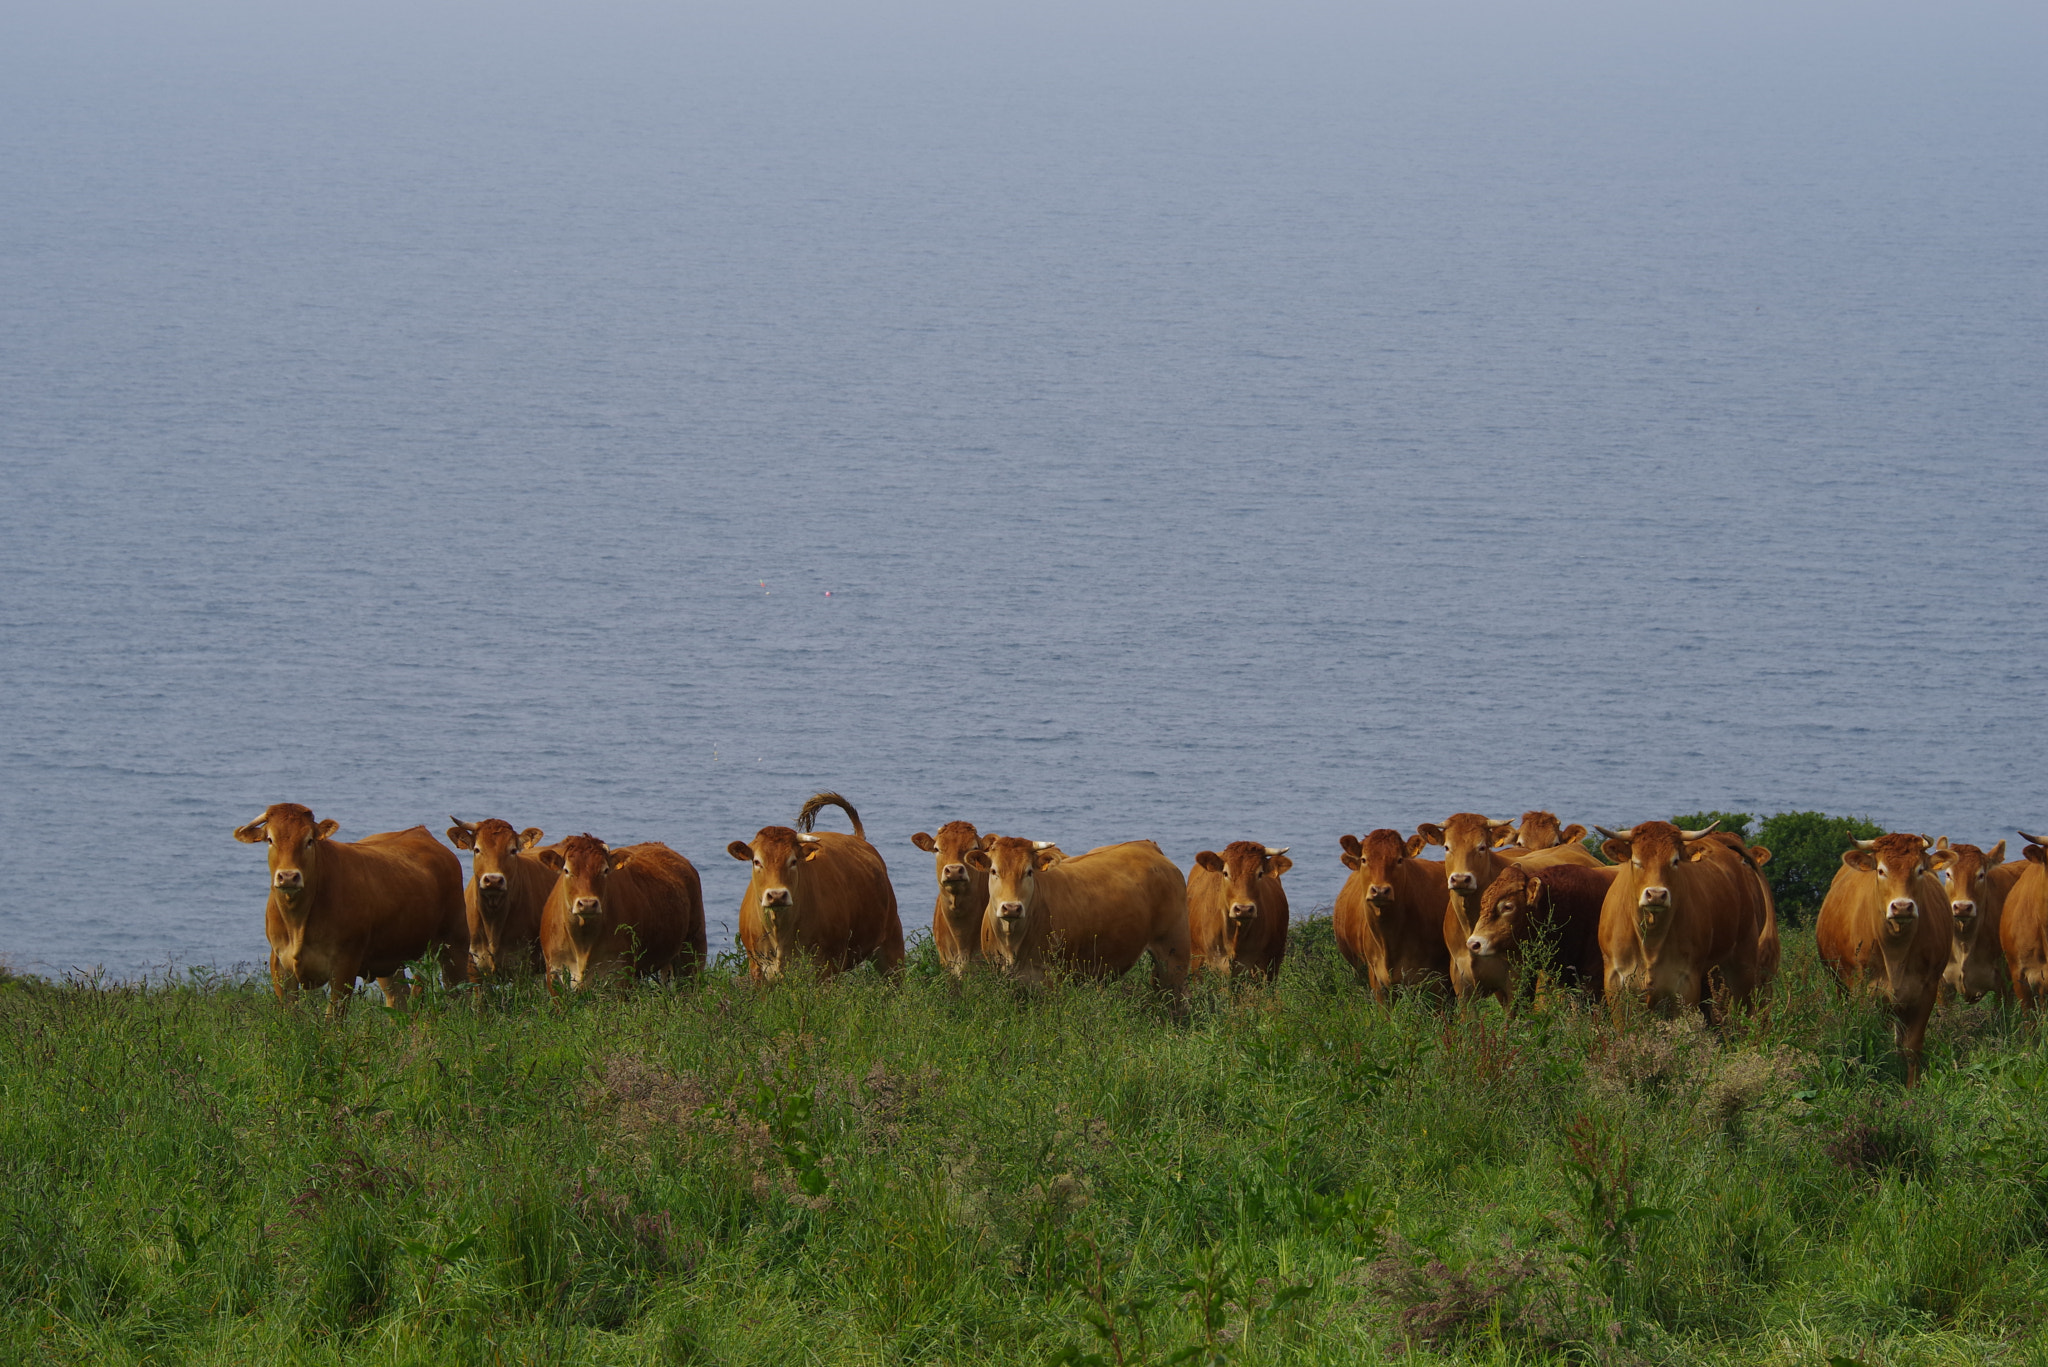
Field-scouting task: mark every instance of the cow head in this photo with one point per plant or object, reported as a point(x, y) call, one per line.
point(1966, 871)
point(1651, 851)
point(494, 846)
point(294, 838)
point(1242, 864)
point(779, 891)
point(963, 890)
point(585, 865)
point(1376, 858)
point(1540, 831)
point(1510, 905)
point(1899, 860)
point(1012, 865)
point(1468, 840)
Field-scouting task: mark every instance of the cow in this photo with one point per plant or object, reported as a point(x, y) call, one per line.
point(1393, 914)
point(1237, 910)
point(1683, 912)
point(1091, 915)
point(823, 896)
point(1885, 923)
point(503, 898)
point(1560, 904)
point(1977, 885)
point(636, 908)
point(1540, 831)
point(339, 910)
point(1470, 865)
point(963, 893)
point(2023, 929)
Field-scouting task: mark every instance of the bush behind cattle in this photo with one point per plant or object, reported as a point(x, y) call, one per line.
point(878, 1171)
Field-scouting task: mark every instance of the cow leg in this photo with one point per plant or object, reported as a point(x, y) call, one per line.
point(1910, 1030)
point(286, 985)
point(340, 988)
point(454, 964)
point(397, 991)
point(1170, 969)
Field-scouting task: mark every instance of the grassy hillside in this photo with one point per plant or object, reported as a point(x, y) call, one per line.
point(868, 1172)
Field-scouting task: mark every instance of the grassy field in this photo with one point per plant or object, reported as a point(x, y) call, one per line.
point(914, 1172)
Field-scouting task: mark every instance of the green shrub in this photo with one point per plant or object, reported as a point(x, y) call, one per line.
point(1806, 850)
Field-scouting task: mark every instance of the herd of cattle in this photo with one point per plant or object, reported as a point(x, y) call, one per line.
point(1679, 919)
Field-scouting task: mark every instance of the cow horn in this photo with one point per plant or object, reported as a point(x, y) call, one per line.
point(1272, 853)
point(1041, 844)
point(1628, 833)
point(2030, 839)
point(807, 838)
point(1866, 844)
point(1704, 830)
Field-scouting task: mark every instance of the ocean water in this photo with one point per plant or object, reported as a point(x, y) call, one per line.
point(1091, 429)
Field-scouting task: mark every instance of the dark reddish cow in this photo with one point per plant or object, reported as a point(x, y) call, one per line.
point(1683, 913)
point(1393, 914)
point(503, 898)
point(1560, 905)
point(637, 908)
point(1885, 925)
point(1237, 910)
point(340, 910)
point(823, 896)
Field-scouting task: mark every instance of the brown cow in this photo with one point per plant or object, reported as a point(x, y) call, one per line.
point(1237, 910)
point(1540, 831)
point(506, 890)
point(1093, 914)
point(823, 895)
point(2023, 930)
point(1977, 885)
point(963, 893)
point(1561, 904)
point(637, 908)
point(1886, 923)
point(341, 910)
point(1470, 865)
point(1393, 914)
point(1682, 910)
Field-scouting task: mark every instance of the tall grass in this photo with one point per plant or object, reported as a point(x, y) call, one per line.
point(866, 1171)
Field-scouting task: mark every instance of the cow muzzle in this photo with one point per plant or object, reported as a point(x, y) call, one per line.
point(775, 897)
point(1463, 882)
point(288, 881)
point(1010, 911)
point(489, 883)
point(1243, 911)
point(583, 909)
point(1901, 909)
point(1479, 946)
point(954, 873)
point(1656, 897)
point(1380, 895)
point(1965, 914)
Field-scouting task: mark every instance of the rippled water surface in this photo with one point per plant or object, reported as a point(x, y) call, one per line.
point(636, 429)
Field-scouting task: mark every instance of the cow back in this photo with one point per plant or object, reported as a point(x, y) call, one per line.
point(1097, 913)
point(380, 902)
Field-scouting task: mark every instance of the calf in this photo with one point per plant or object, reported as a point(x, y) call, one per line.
point(822, 895)
point(340, 910)
point(1885, 925)
point(963, 893)
point(637, 908)
point(1237, 910)
point(503, 898)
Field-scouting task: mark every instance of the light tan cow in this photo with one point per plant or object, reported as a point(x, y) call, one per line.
point(636, 908)
point(1237, 910)
point(1885, 925)
point(1092, 915)
point(1393, 915)
point(503, 898)
point(819, 895)
point(1471, 863)
point(1684, 910)
point(2023, 930)
point(1977, 884)
point(340, 910)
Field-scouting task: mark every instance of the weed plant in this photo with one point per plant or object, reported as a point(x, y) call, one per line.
point(918, 1171)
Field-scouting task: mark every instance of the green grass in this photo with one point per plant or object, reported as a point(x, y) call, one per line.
point(872, 1172)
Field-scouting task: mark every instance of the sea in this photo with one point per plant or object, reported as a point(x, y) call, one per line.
point(1092, 422)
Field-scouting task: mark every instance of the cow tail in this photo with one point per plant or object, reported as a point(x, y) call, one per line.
point(808, 817)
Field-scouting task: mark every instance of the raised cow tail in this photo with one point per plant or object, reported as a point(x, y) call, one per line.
point(808, 817)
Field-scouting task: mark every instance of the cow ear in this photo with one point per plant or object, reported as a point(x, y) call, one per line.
point(924, 841)
point(740, 850)
point(461, 835)
point(977, 859)
point(1759, 856)
point(552, 858)
point(2036, 853)
point(1349, 844)
point(1429, 833)
point(326, 828)
point(1942, 857)
point(1532, 888)
point(1047, 857)
point(530, 837)
point(1695, 851)
point(1351, 861)
point(1278, 864)
point(812, 849)
point(1994, 856)
point(1210, 860)
point(251, 834)
point(1572, 834)
point(1616, 849)
point(618, 859)
point(1500, 832)
point(1865, 860)
point(1419, 842)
